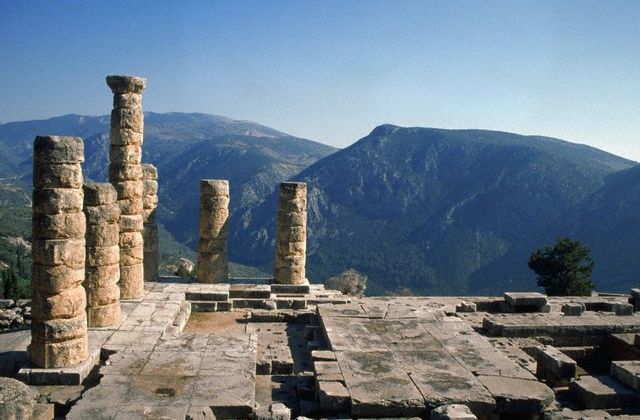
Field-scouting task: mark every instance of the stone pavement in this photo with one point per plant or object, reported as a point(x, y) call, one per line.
point(280, 351)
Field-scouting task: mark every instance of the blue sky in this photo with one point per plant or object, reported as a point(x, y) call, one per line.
point(333, 70)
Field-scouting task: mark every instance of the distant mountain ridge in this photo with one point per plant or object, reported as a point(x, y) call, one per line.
point(430, 208)
point(438, 211)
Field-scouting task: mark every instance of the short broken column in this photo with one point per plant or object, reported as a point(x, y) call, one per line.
point(291, 234)
point(213, 264)
point(150, 233)
point(125, 173)
point(102, 272)
point(59, 323)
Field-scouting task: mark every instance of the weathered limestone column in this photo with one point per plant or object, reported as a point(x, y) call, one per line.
point(59, 323)
point(102, 268)
point(213, 265)
point(291, 234)
point(125, 173)
point(150, 234)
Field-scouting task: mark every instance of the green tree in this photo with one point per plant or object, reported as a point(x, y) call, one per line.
point(563, 269)
point(10, 285)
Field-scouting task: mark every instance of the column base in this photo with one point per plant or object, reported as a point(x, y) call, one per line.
point(70, 375)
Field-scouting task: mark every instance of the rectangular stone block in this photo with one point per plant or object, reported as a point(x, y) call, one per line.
point(57, 175)
point(594, 392)
point(554, 366)
point(55, 279)
point(57, 200)
point(333, 397)
point(105, 213)
point(627, 372)
point(59, 226)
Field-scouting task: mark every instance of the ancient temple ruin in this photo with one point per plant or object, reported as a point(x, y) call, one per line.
point(120, 341)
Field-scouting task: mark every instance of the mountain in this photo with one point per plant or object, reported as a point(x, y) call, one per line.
point(185, 148)
point(429, 209)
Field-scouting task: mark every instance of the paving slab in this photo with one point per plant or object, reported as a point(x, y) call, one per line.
point(333, 397)
point(443, 380)
point(532, 299)
point(377, 385)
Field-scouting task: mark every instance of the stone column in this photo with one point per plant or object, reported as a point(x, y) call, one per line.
point(102, 268)
point(213, 265)
point(150, 234)
point(125, 173)
point(59, 322)
point(291, 234)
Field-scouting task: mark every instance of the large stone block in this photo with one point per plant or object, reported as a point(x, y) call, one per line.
point(125, 171)
point(131, 281)
point(106, 213)
point(131, 206)
point(150, 186)
point(131, 255)
point(67, 252)
point(58, 330)
point(553, 366)
point(120, 84)
point(103, 276)
point(57, 200)
point(130, 189)
point(57, 175)
point(124, 137)
point(131, 224)
point(58, 149)
point(99, 256)
point(62, 354)
point(104, 316)
point(99, 193)
point(127, 118)
point(126, 154)
point(215, 187)
point(102, 235)
point(452, 412)
point(69, 303)
point(55, 279)
point(127, 100)
point(150, 172)
point(59, 226)
point(100, 296)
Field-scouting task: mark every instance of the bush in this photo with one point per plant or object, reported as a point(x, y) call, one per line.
point(563, 269)
point(350, 283)
point(14, 286)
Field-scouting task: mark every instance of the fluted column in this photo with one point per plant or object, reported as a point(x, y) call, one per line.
point(291, 234)
point(59, 323)
point(102, 268)
point(125, 173)
point(150, 234)
point(213, 265)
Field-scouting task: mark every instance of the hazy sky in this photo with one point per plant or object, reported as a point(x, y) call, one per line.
point(333, 70)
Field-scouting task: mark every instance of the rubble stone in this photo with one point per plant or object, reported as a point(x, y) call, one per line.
point(452, 412)
point(573, 309)
point(213, 264)
point(59, 331)
point(291, 234)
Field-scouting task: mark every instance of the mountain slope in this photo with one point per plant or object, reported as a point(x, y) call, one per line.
point(185, 148)
point(427, 208)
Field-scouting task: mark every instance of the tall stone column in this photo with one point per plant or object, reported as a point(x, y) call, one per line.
point(125, 173)
point(102, 268)
point(59, 323)
point(213, 265)
point(150, 234)
point(291, 234)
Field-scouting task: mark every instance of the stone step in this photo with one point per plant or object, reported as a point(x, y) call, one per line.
point(250, 291)
point(244, 303)
point(290, 288)
point(627, 372)
point(212, 296)
point(602, 392)
point(211, 306)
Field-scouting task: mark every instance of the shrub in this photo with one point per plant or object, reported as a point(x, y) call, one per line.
point(350, 282)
